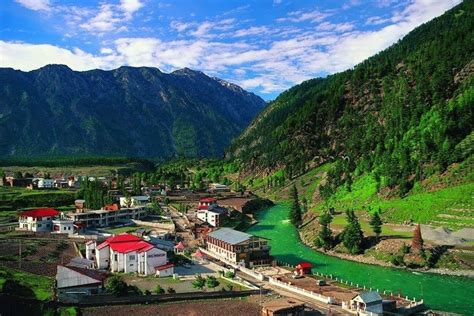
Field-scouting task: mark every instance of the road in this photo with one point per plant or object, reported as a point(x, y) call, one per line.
point(182, 225)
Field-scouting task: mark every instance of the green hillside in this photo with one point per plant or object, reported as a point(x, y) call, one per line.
point(387, 130)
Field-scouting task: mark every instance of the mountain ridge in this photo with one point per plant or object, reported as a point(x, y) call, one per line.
point(154, 114)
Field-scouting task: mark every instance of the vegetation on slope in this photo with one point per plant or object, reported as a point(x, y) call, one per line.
point(402, 115)
point(138, 112)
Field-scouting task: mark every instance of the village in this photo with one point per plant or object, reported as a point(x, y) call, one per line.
point(170, 244)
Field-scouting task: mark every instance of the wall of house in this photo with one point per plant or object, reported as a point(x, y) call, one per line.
point(90, 251)
point(131, 262)
point(103, 257)
point(153, 258)
point(165, 272)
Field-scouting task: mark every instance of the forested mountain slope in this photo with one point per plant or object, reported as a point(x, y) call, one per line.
point(138, 112)
point(403, 114)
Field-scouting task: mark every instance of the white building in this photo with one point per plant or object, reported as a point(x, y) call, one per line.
point(75, 281)
point(217, 187)
point(367, 303)
point(238, 247)
point(45, 183)
point(104, 218)
point(128, 253)
point(134, 201)
point(63, 226)
point(208, 211)
point(38, 220)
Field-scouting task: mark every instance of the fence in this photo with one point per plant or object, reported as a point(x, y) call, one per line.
point(252, 273)
point(108, 299)
point(297, 290)
point(165, 226)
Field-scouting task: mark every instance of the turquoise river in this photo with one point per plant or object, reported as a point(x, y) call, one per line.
point(448, 293)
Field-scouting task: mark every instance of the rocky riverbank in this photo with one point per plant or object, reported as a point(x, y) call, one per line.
point(371, 260)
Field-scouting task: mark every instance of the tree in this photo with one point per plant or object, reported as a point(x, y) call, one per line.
point(212, 282)
point(324, 238)
point(159, 289)
point(295, 210)
point(417, 240)
point(376, 224)
point(352, 235)
point(304, 205)
point(199, 282)
point(116, 285)
point(17, 175)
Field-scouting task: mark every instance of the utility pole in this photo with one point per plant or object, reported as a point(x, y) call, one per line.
point(19, 253)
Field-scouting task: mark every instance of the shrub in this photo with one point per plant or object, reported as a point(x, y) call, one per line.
point(229, 274)
point(116, 285)
point(159, 289)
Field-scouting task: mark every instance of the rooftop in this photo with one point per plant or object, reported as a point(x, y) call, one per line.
point(40, 212)
point(208, 200)
point(230, 236)
point(369, 297)
point(125, 243)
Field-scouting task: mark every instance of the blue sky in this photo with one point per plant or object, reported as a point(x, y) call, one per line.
point(263, 46)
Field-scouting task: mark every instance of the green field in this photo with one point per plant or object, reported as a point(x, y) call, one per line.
point(19, 198)
point(449, 206)
point(19, 283)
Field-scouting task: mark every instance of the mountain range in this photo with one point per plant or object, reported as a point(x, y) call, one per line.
point(135, 112)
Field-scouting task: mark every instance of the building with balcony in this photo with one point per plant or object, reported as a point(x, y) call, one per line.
point(37, 220)
point(238, 247)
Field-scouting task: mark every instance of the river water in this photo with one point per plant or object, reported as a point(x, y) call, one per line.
point(447, 293)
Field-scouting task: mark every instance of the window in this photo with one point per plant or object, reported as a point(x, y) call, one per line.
point(115, 257)
point(131, 264)
point(132, 257)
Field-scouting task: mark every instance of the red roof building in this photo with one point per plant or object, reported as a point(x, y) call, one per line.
point(37, 220)
point(40, 212)
point(127, 253)
point(304, 268)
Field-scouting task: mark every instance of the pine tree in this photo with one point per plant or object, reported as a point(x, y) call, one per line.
point(352, 234)
point(295, 210)
point(376, 224)
point(417, 241)
point(324, 238)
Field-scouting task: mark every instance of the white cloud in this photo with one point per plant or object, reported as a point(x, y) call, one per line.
point(254, 30)
point(106, 51)
point(106, 20)
point(180, 26)
point(130, 6)
point(32, 56)
point(302, 16)
point(35, 5)
point(264, 58)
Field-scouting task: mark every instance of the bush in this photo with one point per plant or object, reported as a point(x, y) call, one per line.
point(397, 260)
point(405, 249)
point(159, 289)
point(116, 285)
point(229, 274)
